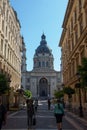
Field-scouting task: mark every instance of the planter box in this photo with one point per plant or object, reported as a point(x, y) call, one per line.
point(13, 108)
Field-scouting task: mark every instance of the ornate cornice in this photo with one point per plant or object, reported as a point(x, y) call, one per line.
point(68, 11)
point(62, 36)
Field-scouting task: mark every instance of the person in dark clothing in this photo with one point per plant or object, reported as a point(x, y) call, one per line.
point(36, 104)
point(49, 104)
point(30, 111)
point(63, 103)
point(3, 114)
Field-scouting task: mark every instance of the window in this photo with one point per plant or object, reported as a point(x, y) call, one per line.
point(4, 6)
point(39, 64)
point(75, 16)
point(2, 45)
point(76, 35)
point(68, 46)
point(70, 70)
point(5, 51)
point(27, 87)
point(9, 36)
point(6, 31)
point(7, 16)
point(3, 25)
point(8, 55)
point(47, 64)
point(82, 54)
point(72, 43)
point(58, 80)
point(68, 31)
point(77, 62)
point(80, 5)
point(28, 80)
point(81, 25)
point(71, 25)
point(73, 68)
point(43, 64)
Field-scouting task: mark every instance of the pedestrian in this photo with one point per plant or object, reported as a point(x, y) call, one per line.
point(49, 104)
point(59, 112)
point(3, 114)
point(63, 103)
point(30, 112)
point(36, 104)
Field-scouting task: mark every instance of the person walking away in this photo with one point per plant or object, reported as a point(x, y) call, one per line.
point(49, 104)
point(36, 104)
point(59, 112)
point(30, 112)
point(63, 103)
point(3, 114)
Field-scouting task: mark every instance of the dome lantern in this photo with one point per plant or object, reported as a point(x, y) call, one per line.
point(43, 37)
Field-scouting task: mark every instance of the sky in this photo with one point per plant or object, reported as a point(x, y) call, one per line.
point(37, 17)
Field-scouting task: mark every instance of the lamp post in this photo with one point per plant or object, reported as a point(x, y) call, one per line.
point(78, 85)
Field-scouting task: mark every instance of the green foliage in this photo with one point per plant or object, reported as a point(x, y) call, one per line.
point(69, 91)
point(82, 70)
point(58, 94)
point(28, 93)
point(4, 86)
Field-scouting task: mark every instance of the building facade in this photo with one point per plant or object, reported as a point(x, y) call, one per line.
point(43, 79)
point(10, 44)
point(73, 45)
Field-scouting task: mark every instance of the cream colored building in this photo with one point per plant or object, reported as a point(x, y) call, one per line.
point(10, 44)
point(73, 43)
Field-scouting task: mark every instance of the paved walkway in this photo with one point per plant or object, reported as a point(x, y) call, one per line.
point(45, 120)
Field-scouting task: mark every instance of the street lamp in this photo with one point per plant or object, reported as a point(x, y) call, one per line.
point(78, 85)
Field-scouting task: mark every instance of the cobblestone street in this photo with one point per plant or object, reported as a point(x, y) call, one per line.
point(45, 120)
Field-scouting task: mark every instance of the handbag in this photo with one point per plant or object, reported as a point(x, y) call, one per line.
point(34, 120)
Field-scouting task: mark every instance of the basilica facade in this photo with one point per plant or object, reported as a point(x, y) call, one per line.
point(43, 80)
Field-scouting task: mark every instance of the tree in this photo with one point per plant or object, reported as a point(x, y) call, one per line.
point(82, 70)
point(28, 93)
point(69, 91)
point(58, 94)
point(4, 86)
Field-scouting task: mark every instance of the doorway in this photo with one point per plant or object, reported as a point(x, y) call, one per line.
point(43, 87)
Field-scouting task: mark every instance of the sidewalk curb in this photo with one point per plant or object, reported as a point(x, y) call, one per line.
point(76, 116)
point(73, 123)
point(13, 113)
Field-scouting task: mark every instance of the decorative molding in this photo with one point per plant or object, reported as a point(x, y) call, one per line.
point(81, 47)
point(85, 4)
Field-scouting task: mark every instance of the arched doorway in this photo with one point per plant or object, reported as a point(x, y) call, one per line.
point(43, 87)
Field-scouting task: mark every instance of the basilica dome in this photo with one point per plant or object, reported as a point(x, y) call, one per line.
point(43, 47)
point(43, 58)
